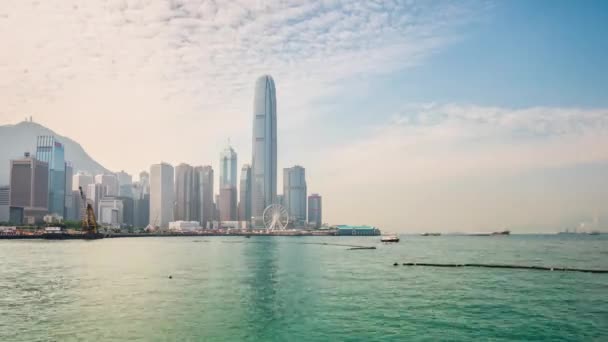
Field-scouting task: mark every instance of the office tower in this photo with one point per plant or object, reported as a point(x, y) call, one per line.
point(315, 210)
point(69, 212)
point(204, 188)
point(186, 204)
point(110, 211)
point(228, 165)
point(227, 204)
point(294, 193)
point(77, 204)
point(128, 210)
point(227, 199)
point(264, 154)
point(280, 199)
point(161, 195)
point(5, 203)
point(94, 193)
point(144, 181)
point(245, 194)
point(29, 187)
point(125, 182)
point(141, 211)
point(83, 180)
point(110, 182)
point(50, 151)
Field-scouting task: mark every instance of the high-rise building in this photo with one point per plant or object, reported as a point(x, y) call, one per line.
point(161, 195)
point(227, 204)
point(77, 204)
point(5, 203)
point(228, 165)
point(110, 211)
point(94, 193)
point(144, 181)
point(227, 200)
point(83, 180)
point(29, 188)
point(125, 183)
point(186, 204)
point(141, 209)
point(110, 182)
point(315, 210)
point(245, 194)
point(294, 193)
point(264, 156)
point(204, 188)
point(69, 212)
point(50, 151)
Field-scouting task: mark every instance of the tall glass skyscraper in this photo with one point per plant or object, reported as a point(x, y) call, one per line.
point(245, 194)
point(264, 156)
point(228, 169)
point(294, 193)
point(50, 151)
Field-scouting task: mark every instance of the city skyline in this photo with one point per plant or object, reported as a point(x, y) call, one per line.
point(456, 110)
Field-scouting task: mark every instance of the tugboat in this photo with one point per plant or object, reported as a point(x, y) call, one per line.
point(389, 238)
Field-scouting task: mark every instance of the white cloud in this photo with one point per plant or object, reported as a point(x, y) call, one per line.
point(203, 56)
point(422, 158)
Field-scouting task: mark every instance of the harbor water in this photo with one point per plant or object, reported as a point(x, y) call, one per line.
point(302, 289)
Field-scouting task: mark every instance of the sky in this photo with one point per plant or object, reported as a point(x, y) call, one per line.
point(411, 116)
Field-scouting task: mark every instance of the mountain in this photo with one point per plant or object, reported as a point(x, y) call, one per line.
point(20, 138)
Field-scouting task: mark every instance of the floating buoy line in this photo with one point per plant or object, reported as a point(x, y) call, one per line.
point(522, 267)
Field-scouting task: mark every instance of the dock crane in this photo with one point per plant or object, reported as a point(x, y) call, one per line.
point(89, 222)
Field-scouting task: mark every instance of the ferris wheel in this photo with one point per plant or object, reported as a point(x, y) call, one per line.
point(275, 217)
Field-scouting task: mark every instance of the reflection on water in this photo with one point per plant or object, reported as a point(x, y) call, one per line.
point(292, 289)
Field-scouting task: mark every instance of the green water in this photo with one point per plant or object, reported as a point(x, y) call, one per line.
point(287, 289)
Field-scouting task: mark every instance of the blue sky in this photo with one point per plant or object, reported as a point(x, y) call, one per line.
point(399, 110)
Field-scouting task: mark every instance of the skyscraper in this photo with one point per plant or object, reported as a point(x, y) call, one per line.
point(264, 141)
point(228, 165)
point(125, 183)
point(186, 204)
point(315, 210)
point(204, 188)
point(245, 194)
point(110, 182)
point(144, 182)
point(227, 201)
point(95, 192)
point(83, 180)
point(161, 194)
point(294, 193)
point(50, 151)
point(29, 188)
point(69, 212)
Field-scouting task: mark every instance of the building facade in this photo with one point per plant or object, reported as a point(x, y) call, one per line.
point(110, 211)
point(125, 183)
point(110, 183)
point(83, 180)
point(186, 203)
point(204, 188)
point(5, 204)
point(245, 194)
point(161, 195)
point(29, 187)
point(227, 204)
point(94, 193)
point(315, 210)
point(51, 151)
point(264, 154)
point(294, 193)
point(69, 212)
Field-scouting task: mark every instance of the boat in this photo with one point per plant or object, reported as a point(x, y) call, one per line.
point(504, 232)
point(430, 234)
point(389, 238)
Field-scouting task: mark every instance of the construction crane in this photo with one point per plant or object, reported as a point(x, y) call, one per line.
point(89, 223)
